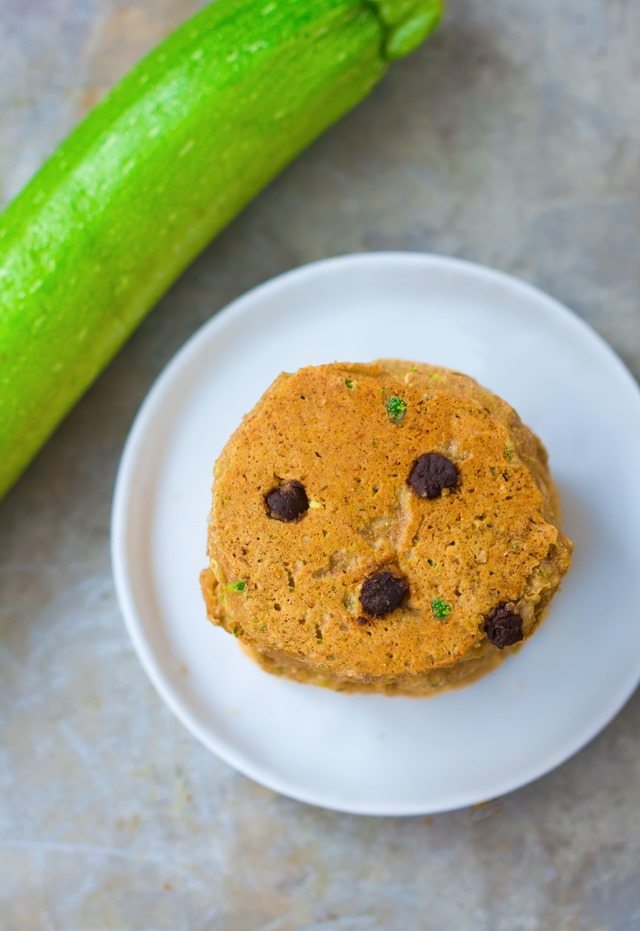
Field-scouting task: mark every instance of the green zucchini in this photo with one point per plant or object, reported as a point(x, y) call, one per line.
point(170, 156)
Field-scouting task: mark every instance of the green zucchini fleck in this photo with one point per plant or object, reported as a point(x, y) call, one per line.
point(440, 608)
point(396, 409)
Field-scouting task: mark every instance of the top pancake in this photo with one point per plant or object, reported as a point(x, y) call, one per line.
point(292, 588)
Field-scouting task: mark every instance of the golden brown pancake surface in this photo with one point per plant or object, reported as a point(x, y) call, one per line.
point(386, 527)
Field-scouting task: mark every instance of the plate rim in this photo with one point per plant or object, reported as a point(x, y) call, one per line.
point(119, 531)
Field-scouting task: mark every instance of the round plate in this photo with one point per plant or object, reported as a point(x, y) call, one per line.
point(373, 754)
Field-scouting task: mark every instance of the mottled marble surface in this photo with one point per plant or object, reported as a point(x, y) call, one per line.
point(512, 139)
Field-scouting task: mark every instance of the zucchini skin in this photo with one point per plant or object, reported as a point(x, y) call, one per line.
point(169, 157)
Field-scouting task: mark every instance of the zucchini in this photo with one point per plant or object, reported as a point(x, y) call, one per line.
point(169, 157)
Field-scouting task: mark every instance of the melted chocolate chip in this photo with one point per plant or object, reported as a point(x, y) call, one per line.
point(288, 502)
point(503, 627)
point(431, 473)
point(382, 592)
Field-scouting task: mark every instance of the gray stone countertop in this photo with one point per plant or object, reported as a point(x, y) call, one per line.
point(512, 139)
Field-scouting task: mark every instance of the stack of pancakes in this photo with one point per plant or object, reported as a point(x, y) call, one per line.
point(390, 527)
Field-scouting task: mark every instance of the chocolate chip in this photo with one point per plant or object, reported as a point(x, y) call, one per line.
point(362, 620)
point(503, 627)
point(431, 473)
point(382, 592)
point(288, 502)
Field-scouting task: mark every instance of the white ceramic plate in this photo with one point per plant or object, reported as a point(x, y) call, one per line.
point(368, 753)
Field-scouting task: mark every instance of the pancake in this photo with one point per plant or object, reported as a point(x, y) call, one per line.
point(389, 527)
